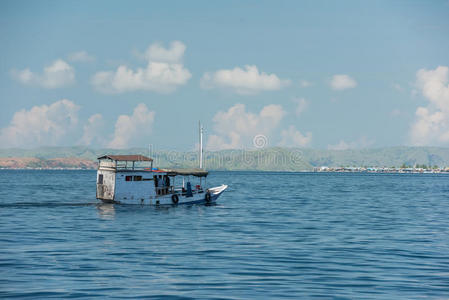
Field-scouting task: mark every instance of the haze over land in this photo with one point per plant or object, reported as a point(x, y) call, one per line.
point(269, 159)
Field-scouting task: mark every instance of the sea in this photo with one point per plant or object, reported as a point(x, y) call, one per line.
point(270, 236)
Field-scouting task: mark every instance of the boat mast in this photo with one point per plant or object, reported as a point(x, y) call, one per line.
point(201, 145)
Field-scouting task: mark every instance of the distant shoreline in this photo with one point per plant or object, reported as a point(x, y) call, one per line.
point(275, 159)
point(440, 171)
point(408, 170)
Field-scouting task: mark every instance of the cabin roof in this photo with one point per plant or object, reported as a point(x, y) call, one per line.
point(185, 172)
point(126, 157)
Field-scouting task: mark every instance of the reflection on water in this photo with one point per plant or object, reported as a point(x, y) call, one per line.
point(106, 211)
point(109, 211)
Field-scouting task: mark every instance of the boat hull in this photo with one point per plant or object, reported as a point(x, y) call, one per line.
point(197, 198)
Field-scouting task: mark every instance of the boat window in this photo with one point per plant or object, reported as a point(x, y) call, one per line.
point(128, 178)
point(100, 179)
point(137, 178)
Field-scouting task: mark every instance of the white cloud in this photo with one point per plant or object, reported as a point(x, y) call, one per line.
point(93, 130)
point(164, 73)
point(156, 52)
point(301, 105)
point(80, 56)
point(132, 130)
point(236, 128)
point(341, 82)
point(58, 74)
point(41, 125)
point(431, 126)
point(304, 83)
point(158, 77)
point(294, 138)
point(434, 85)
point(243, 81)
point(361, 143)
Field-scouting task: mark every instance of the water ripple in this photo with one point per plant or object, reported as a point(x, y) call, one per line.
point(272, 235)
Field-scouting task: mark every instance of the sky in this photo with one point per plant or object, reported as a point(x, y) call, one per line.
point(315, 74)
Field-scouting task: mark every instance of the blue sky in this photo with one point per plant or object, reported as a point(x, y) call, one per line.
point(319, 74)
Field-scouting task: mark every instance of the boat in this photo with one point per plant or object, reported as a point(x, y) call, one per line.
point(132, 179)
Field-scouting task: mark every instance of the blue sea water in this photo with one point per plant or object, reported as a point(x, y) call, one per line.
point(271, 236)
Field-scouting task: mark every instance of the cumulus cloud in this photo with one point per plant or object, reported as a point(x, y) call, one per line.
point(93, 130)
point(341, 82)
point(41, 125)
point(431, 124)
point(164, 73)
point(301, 105)
point(174, 54)
point(361, 143)
point(80, 56)
point(236, 128)
point(58, 74)
point(294, 138)
point(131, 130)
point(243, 81)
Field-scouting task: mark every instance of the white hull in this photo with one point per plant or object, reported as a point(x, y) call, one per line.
point(196, 198)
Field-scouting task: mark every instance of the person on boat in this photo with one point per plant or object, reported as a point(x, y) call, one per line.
point(161, 184)
point(166, 183)
point(189, 190)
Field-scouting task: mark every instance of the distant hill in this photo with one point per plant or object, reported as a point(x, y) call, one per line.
point(387, 157)
point(52, 163)
point(269, 159)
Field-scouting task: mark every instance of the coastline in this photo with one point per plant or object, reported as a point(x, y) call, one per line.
point(316, 170)
point(276, 159)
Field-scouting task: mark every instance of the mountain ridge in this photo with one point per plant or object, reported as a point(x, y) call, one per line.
point(266, 159)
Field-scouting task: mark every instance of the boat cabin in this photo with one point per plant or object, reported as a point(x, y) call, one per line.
point(132, 179)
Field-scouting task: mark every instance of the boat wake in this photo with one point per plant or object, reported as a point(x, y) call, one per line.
point(46, 204)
